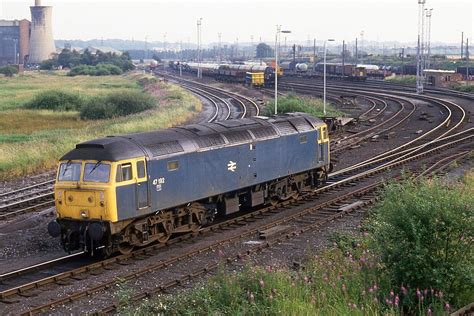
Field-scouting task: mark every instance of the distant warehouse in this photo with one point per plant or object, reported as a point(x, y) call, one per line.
point(14, 41)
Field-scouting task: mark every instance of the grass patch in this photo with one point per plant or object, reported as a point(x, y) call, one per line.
point(353, 277)
point(294, 103)
point(406, 79)
point(36, 139)
point(18, 90)
point(464, 88)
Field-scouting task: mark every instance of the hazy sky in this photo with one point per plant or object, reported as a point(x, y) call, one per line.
point(380, 20)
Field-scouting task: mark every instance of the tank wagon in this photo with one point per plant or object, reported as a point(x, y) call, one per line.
point(290, 68)
point(116, 193)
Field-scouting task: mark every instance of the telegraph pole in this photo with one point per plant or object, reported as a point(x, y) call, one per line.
point(419, 60)
point(199, 21)
point(356, 53)
point(220, 47)
point(314, 55)
point(462, 43)
point(428, 36)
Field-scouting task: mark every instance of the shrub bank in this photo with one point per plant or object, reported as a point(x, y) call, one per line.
point(40, 140)
point(414, 261)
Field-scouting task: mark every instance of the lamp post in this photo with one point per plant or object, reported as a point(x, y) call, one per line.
point(324, 75)
point(277, 46)
point(199, 22)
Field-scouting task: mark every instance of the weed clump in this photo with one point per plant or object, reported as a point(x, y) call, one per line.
point(56, 100)
point(424, 234)
point(116, 105)
point(293, 103)
point(99, 70)
point(8, 70)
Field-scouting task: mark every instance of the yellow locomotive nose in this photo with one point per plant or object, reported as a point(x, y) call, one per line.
point(84, 193)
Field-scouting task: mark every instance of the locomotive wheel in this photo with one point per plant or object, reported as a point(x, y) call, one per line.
point(164, 238)
point(274, 201)
point(125, 248)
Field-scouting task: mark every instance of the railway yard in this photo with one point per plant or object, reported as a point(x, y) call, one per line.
point(394, 132)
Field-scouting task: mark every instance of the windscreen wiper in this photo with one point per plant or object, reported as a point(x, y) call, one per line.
point(67, 165)
point(95, 166)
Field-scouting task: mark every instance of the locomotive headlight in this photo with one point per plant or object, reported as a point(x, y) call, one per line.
point(102, 198)
point(60, 196)
point(84, 214)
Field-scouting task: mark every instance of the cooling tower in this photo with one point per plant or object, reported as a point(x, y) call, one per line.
point(41, 40)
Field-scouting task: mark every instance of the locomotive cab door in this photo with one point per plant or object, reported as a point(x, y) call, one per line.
point(143, 200)
point(323, 141)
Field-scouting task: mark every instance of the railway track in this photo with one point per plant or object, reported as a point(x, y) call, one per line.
point(27, 199)
point(440, 142)
point(332, 187)
point(248, 107)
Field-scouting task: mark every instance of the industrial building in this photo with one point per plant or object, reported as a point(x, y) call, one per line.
point(14, 41)
point(22, 41)
point(441, 78)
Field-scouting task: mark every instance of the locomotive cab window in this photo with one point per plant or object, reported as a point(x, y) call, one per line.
point(303, 139)
point(96, 172)
point(124, 172)
point(141, 169)
point(69, 171)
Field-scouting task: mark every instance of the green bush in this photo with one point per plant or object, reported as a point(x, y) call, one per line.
point(406, 79)
point(145, 81)
point(99, 70)
point(117, 104)
point(464, 88)
point(49, 64)
point(424, 234)
point(8, 70)
point(56, 100)
point(294, 103)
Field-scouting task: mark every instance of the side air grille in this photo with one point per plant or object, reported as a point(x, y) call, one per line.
point(263, 132)
point(285, 127)
point(165, 148)
point(209, 141)
point(238, 136)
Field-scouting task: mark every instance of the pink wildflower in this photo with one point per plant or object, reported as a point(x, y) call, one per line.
point(363, 293)
point(343, 287)
point(446, 306)
point(440, 294)
point(392, 294)
point(388, 302)
point(262, 284)
point(371, 290)
point(418, 293)
point(404, 290)
point(430, 312)
point(376, 300)
point(397, 300)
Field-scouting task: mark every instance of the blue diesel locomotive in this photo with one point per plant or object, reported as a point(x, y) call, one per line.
point(120, 192)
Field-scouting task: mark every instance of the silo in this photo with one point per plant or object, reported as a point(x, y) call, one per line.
point(41, 40)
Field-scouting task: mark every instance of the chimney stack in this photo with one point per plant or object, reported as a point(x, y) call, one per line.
point(41, 40)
